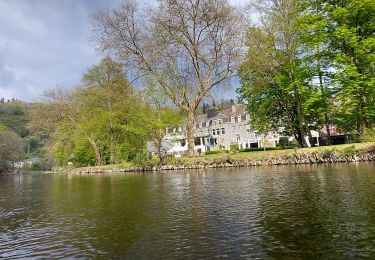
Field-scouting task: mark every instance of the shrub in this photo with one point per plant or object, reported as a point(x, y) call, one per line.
point(349, 151)
point(327, 153)
point(35, 167)
point(368, 135)
point(245, 150)
point(142, 158)
point(284, 141)
point(212, 152)
point(234, 148)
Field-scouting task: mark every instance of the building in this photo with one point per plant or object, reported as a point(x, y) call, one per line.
point(217, 130)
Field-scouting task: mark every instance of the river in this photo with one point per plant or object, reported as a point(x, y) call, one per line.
point(319, 211)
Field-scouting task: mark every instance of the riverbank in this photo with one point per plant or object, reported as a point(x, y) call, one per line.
point(316, 155)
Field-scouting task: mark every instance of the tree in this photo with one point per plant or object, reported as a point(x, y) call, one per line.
point(117, 107)
point(353, 42)
point(161, 117)
point(11, 147)
point(274, 81)
point(187, 47)
point(103, 121)
point(317, 57)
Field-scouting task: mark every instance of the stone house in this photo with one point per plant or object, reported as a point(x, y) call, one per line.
point(217, 129)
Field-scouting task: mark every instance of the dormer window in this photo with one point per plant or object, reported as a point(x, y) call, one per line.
point(219, 121)
point(200, 125)
point(232, 119)
point(239, 118)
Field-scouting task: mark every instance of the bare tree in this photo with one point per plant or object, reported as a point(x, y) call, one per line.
point(187, 46)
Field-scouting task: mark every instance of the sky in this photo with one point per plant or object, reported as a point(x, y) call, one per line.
point(46, 43)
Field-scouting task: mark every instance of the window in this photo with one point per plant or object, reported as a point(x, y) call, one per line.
point(200, 125)
point(214, 122)
point(218, 131)
point(232, 119)
point(213, 132)
point(219, 121)
point(183, 142)
point(239, 118)
point(238, 138)
point(222, 131)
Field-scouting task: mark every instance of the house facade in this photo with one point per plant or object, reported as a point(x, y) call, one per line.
point(215, 130)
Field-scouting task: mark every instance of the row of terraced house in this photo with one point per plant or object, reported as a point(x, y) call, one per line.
point(217, 129)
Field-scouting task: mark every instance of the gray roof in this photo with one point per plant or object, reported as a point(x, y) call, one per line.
point(226, 114)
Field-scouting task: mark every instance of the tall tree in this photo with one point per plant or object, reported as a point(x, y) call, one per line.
point(104, 120)
point(187, 47)
point(11, 148)
point(274, 81)
point(315, 35)
point(162, 116)
point(354, 44)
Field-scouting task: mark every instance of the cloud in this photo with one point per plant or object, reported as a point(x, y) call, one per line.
point(45, 43)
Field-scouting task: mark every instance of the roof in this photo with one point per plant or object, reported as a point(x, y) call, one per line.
point(213, 113)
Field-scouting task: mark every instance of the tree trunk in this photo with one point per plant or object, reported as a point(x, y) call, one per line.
point(328, 129)
point(190, 133)
point(98, 154)
point(301, 129)
point(112, 159)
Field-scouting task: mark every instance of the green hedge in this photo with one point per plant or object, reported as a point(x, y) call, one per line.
point(245, 150)
point(212, 152)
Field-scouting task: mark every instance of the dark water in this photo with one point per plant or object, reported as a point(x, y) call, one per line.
point(276, 212)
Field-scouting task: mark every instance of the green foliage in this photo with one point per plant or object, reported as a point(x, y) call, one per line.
point(142, 159)
point(104, 121)
point(349, 151)
point(310, 65)
point(284, 141)
point(245, 150)
point(368, 135)
point(233, 148)
point(327, 153)
point(10, 149)
point(212, 152)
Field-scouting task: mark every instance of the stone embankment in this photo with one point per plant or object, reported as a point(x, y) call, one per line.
point(231, 162)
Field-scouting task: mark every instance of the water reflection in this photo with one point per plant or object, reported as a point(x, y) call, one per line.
point(303, 212)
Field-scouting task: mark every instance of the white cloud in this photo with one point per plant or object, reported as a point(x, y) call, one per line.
point(45, 43)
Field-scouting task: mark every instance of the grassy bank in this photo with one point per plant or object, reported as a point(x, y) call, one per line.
point(335, 153)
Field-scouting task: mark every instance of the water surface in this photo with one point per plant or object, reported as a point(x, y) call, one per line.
point(270, 212)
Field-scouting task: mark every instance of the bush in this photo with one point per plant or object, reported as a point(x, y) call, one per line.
point(234, 148)
point(284, 141)
point(142, 159)
point(349, 151)
point(327, 153)
point(245, 150)
point(212, 152)
point(368, 135)
point(35, 167)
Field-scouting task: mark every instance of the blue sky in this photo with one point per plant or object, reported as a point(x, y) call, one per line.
point(45, 43)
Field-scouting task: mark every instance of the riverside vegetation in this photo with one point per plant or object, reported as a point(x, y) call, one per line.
point(304, 65)
point(334, 154)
